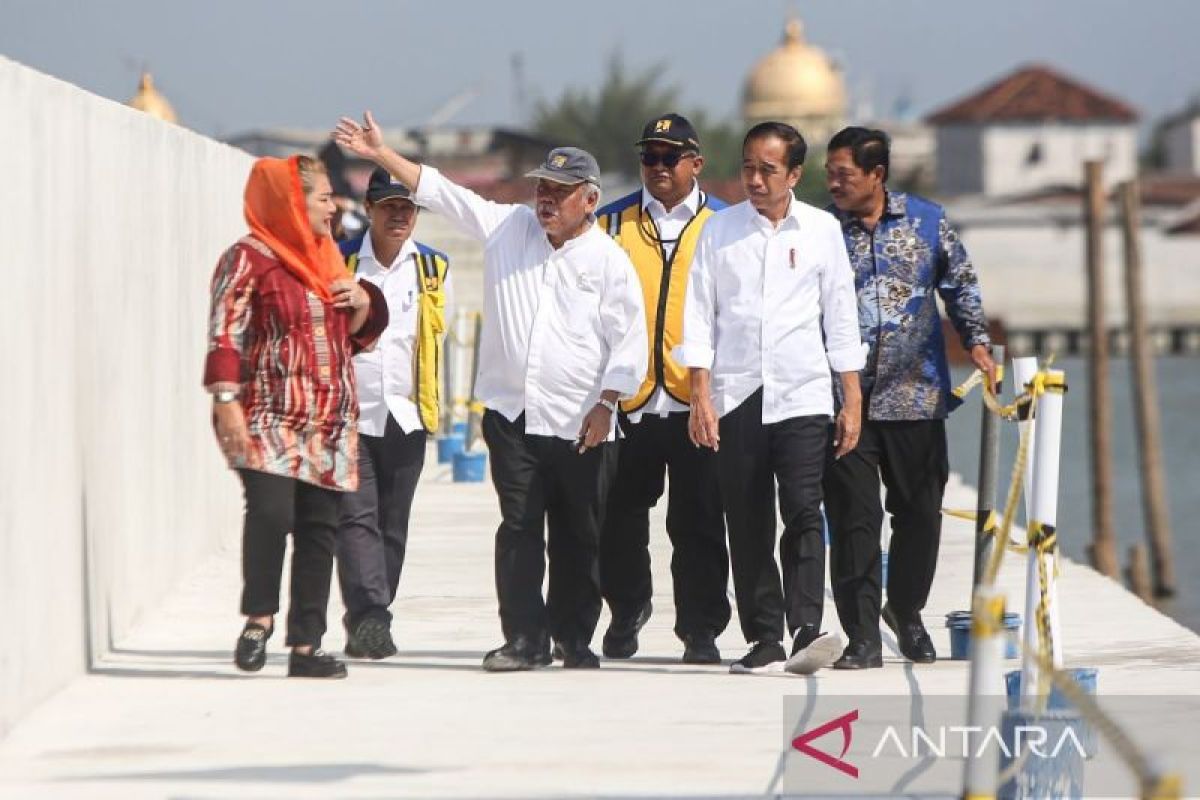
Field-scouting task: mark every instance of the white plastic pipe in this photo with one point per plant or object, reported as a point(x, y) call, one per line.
point(1044, 510)
point(986, 701)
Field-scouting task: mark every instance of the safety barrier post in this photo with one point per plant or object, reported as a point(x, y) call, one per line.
point(986, 685)
point(1040, 595)
point(989, 452)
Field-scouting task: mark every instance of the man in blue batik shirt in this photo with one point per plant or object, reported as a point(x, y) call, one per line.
point(904, 253)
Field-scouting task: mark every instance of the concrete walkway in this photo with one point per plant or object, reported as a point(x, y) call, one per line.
point(167, 715)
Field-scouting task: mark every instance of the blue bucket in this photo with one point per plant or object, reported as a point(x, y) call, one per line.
point(1058, 770)
point(469, 467)
point(959, 623)
point(448, 447)
point(459, 428)
point(1084, 676)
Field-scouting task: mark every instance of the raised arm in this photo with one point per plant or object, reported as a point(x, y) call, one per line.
point(468, 211)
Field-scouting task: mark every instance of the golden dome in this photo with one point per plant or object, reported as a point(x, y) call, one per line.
point(151, 101)
point(795, 83)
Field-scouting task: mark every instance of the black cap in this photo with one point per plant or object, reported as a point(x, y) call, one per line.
point(672, 129)
point(383, 186)
point(568, 165)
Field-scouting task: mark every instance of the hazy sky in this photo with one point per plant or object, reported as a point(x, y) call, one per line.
point(231, 65)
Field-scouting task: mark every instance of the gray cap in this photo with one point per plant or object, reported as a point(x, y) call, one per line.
point(568, 165)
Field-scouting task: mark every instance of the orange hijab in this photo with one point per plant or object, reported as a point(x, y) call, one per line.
point(278, 217)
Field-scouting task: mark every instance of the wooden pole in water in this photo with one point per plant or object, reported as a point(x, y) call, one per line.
point(1103, 550)
point(1145, 401)
point(1137, 574)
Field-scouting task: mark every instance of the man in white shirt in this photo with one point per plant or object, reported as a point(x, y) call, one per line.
point(658, 226)
point(373, 526)
point(563, 339)
point(771, 310)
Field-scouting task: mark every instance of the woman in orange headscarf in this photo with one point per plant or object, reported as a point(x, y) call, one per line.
point(285, 321)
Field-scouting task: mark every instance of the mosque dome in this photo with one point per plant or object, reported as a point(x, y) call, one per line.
point(151, 101)
point(798, 84)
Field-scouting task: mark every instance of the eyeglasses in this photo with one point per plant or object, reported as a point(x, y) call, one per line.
point(668, 160)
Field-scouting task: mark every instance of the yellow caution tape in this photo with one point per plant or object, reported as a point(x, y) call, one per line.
point(1167, 787)
point(987, 620)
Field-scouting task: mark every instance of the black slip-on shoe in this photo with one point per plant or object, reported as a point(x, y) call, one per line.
point(911, 636)
point(860, 654)
point(250, 653)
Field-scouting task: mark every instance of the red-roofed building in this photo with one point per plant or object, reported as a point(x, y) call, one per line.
point(1030, 130)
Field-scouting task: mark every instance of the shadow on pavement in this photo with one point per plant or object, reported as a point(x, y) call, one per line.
point(265, 773)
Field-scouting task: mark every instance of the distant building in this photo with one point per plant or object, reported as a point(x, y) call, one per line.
point(798, 84)
point(1181, 141)
point(1032, 130)
point(151, 101)
point(1030, 253)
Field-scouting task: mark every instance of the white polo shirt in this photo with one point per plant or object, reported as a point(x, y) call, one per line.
point(559, 326)
point(384, 375)
point(773, 308)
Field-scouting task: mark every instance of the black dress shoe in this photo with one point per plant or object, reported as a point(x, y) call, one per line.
point(621, 638)
point(251, 651)
point(371, 638)
point(700, 648)
point(860, 654)
point(519, 654)
point(760, 655)
point(317, 664)
point(911, 636)
point(577, 655)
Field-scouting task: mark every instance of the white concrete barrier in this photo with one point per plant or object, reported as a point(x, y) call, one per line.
point(110, 485)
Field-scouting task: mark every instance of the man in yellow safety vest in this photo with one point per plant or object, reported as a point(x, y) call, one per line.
point(658, 226)
point(398, 409)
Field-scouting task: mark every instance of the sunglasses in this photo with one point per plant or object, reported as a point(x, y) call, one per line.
point(668, 160)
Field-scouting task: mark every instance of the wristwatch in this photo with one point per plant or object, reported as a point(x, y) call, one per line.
point(225, 396)
point(609, 404)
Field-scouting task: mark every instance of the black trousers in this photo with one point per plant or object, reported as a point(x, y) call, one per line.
point(373, 527)
point(275, 506)
point(542, 482)
point(751, 458)
point(911, 458)
point(699, 560)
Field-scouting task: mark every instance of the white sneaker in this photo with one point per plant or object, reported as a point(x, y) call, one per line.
point(822, 652)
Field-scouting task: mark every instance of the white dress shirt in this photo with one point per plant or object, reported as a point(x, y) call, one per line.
point(759, 298)
point(385, 374)
point(559, 326)
point(670, 225)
